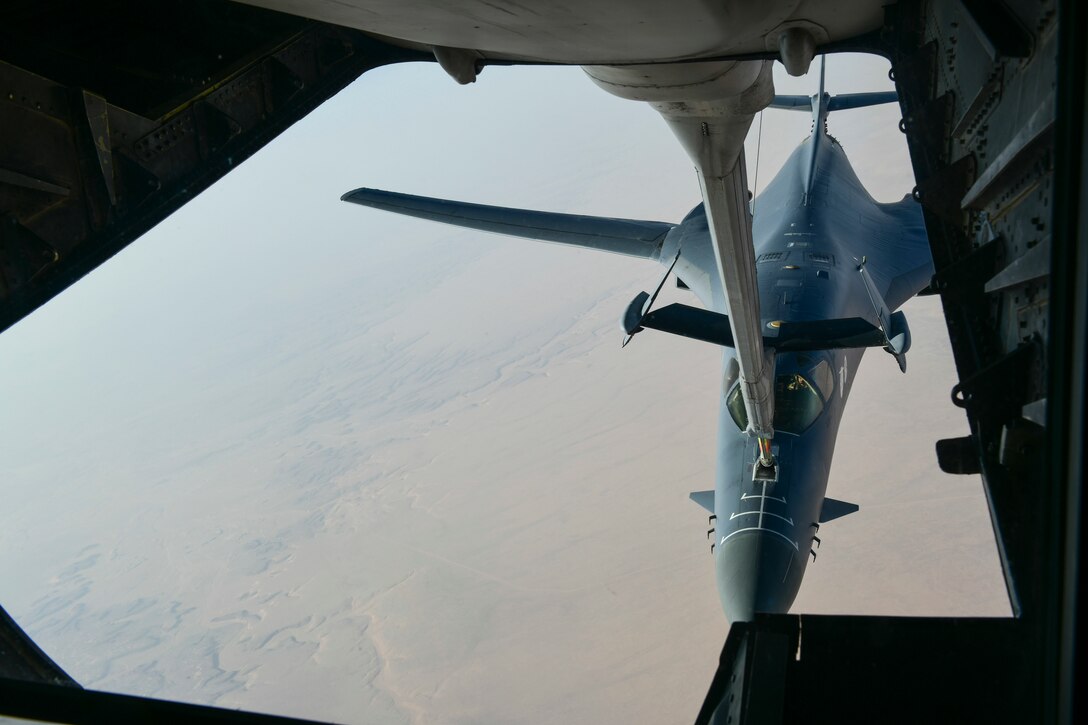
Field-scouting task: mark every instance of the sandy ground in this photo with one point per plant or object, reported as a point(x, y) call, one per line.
point(403, 542)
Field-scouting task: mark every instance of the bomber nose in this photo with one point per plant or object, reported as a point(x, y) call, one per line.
point(754, 571)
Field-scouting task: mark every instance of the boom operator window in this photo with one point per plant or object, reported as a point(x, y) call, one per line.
point(797, 401)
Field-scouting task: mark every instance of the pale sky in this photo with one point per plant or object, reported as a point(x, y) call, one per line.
point(280, 430)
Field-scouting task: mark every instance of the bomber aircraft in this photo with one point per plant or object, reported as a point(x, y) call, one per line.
point(793, 294)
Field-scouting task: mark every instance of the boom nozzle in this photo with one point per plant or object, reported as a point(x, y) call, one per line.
point(766, 458)
point(766, 468)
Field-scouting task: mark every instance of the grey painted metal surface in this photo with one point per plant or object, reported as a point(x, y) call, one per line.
point(594, 31)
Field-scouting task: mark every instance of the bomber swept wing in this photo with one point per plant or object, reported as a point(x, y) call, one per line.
point(620, 236)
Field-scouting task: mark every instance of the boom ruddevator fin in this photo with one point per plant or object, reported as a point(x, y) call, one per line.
point(621, 236)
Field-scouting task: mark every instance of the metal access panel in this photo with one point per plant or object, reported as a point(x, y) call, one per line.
point(993, 112)
point(980, 105)
point(115, 113)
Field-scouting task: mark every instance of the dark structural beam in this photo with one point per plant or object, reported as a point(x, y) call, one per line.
point(21, 659)
point(1067, 370)
point(115, 113)
point(53, 703)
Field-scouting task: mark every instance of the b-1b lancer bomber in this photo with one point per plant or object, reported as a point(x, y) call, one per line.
point(793, 295)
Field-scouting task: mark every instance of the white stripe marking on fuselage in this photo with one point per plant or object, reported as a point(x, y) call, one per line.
point(762, 512)
point(762, 505)
point(769, 531)
point(746, 497)
point(768, 513)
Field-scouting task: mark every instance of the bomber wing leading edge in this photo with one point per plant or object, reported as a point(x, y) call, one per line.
point(622, 236)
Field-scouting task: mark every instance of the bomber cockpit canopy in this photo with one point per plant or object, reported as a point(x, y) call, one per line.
point(798, 399)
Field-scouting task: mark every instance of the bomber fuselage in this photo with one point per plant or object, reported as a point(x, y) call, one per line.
point(808, 244)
